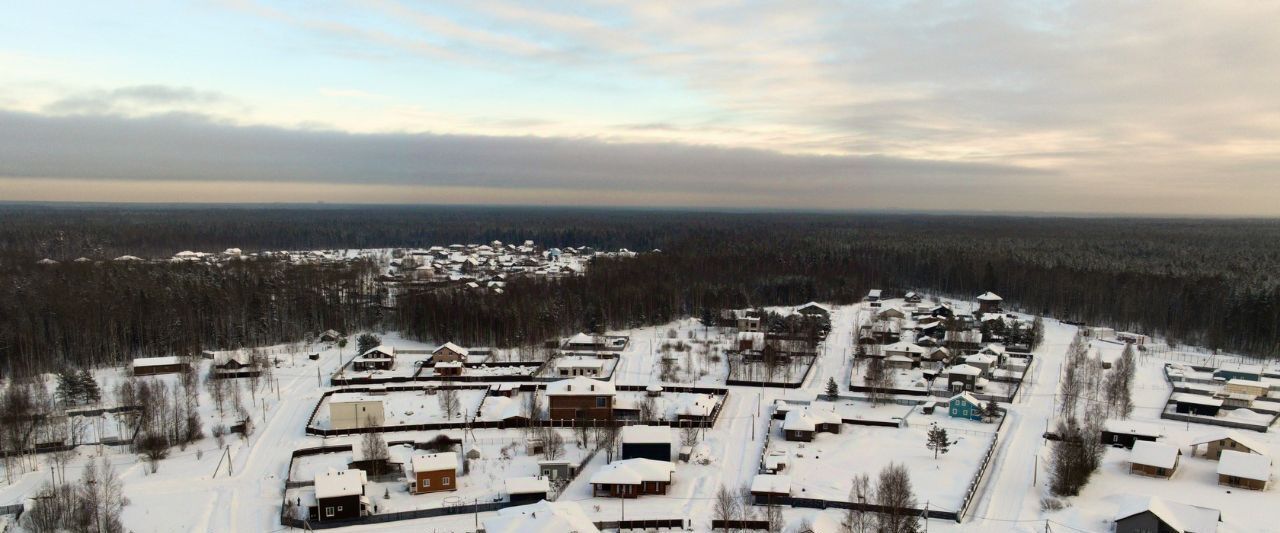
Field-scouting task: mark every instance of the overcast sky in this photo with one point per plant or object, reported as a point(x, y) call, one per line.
point(1106, 107)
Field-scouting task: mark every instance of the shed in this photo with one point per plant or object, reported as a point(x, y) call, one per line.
point(767, 488)
point(1149, 514)
point(1153, 459)
point(527, 489)
point(1126, 433)
point(150, 366)
point(1244, 470)
point(1195, 404)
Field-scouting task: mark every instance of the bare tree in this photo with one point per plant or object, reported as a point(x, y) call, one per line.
point(448, 398)
point(374, 450)
point(532, 406)
point(726, 507)
point(773, 518)
point(552, 444)
point(857, 519)
point(648, 409)
point(877, 378)
point(894, 494)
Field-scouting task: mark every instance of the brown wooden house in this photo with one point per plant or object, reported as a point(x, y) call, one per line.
point(630, 478)
point(449, 352)
point(1244, 470)
point(1154, 459)
point(150, 366)
point(340, 495)
point(580, 398)
point(434, 472)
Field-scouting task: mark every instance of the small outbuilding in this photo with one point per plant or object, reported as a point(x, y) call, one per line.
point(1125, 433)
point(1154, 459)
point(1244, 470)
point(528, 489)
point(1152, 514)
point(150, 366)
point(770, 488)
point(1196, 404)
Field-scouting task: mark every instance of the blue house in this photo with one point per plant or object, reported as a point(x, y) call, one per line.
point(964, 405)
point(1230, 371)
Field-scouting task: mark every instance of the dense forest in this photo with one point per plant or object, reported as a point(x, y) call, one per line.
point(1203, 282)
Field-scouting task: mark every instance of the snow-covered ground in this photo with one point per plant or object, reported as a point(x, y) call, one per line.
point(415, 407)
point(186, 495)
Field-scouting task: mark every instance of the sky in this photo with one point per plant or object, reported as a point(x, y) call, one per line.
point(1112, 107)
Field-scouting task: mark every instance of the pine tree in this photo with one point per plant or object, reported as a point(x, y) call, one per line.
point(69, 388)
point(832, 389)
point(991, 411)
point(89, 391)
point(937, 440)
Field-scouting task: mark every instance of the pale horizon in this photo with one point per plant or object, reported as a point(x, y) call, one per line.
point(1057, 108)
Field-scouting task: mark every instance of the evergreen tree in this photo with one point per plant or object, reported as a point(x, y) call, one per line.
point(832, 389)
point(89, 391)
point(937, 440)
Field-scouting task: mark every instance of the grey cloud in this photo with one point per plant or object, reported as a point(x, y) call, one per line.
point(130, 98)
point(189, 147)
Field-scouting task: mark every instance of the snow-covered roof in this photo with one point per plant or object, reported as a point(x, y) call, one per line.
point(380, 349)
point(1182, 397)
point(582, 338)
point(451, 346)
point(964, 370)
point(990, 297)
point(527, 485)
point(973, 400)
point(1180, 516)
point(156, 361)
point(771, 484)
point(1244, 465)
point(501, 408)
point(874, 293)
point(579, 363)
point(449, 364)
point(541, 517)
point(1219, 434)
point(1155, 454)
point(808, 418)
point(646, 434)
point(352, 397)
point(335, 483)
point(579, 386)
point(994, 348)
point(904, 346)
point(981, 359)
point(431, 462)
point(634, 471)
point(1247, 383)
point(1129, 427)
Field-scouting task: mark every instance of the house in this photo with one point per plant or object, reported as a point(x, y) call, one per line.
point(580, 398)
point(1153, 459)
point(1238, 371)
point(965, 405)
point(908, 350)
point(981, 361)
point(448, 368)
point(340, 494)
point(938, 354)
point(1153, 514)
point(913, 297)
point(747, 323)
point(1126, 433)
point(1195, 404)
point(997, 351)
point(899, 362)
point(352, 410)
point(963, 340)
point(579, 367)
point(1219, 441)
point(890, 312)
point(541, 517)
point(750, 341)
point(1247, 387)
point(1244, 470)
point(963, 377)
point(813, 309)
point(767, 488)
point(377, 358)
point(582, 341)
point(527, 489)
point(630, 478)
point(873, 295)
point(233, 361)
point(801, 424)
point(989, 302)
point(150, 366)
point(330, 335)
point(434, 472)
point(649, 442)
point(449, 352)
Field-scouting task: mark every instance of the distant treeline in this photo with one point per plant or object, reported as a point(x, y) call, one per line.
point(1206, 282)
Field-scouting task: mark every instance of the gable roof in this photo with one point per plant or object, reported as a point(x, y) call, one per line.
point(633, 472)
point(379, 349)
point(1237, 436)
point(964, 370)
point(335, 483)
point(527, 485)
point(1155, 454)
point(1244, 465)
point(541, 517)
point(580, 386)
point(771, 484)
point(1179, 516)
point(431, 462)
point(451, 347)
point(990, 297)
point(971, 399)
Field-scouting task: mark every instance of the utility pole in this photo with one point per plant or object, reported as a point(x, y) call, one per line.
point(476, 508)
point(318, 384)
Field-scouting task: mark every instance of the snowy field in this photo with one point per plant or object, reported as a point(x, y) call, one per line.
point(415, 407)
point(824, 468)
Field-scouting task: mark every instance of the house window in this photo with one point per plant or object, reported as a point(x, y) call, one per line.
point(328, 511)
point(339, 508)
point(601, 402)
point(955, 411)
point(426, 483)
point(446, 482)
